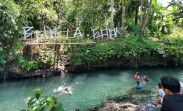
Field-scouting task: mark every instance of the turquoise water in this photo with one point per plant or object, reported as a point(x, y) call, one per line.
point(89, 89)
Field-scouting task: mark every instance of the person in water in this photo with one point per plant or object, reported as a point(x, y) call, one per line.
point(146, 78)
point(161, 94)
point(138, 86)
point(67, 89)
point(137, 76)
point(173, 100)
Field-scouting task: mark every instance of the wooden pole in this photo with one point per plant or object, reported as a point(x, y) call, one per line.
point(58, 48)
point(54, 57)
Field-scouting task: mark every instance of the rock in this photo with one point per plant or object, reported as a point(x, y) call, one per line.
point(111, 105)
point(132, 101)
point(14, 69)
point(129, 107)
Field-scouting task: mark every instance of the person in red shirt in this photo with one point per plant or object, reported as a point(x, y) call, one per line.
point(137, 76)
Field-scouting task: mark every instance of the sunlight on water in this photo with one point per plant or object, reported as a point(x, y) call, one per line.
point(89, 89)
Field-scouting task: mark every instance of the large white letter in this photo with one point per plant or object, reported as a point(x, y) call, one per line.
point(45, 32)
point(117, 32)
point(67, 34)
point(95, 34)
point(104, 34)
point(114, 32)
point(27, 32)
point(37, 35)
point(77, 32)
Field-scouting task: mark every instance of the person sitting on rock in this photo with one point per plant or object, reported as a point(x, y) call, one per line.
point(161, 94)
point(173, 100)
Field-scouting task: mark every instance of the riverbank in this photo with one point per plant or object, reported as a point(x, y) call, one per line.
point(14, 74)
point(37, 73)
point(50, 72)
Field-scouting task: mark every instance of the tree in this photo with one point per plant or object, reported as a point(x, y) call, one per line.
point(177, 9)
point(146, 16)
point(38, 13)
point(10, 31)
point(124, 3)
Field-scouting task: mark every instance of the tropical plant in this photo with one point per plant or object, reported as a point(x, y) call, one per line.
point(38, 102)
point(26, 65)
point(177, 6)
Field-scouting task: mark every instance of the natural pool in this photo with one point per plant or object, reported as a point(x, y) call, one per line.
point(89, 89)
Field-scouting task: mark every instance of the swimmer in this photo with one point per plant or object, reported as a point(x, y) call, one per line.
point(137, 76)
point(138, 86)
point(146, 78)
point(63, 89)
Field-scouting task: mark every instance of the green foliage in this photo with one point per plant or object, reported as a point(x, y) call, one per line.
point(136, 48)
point(132, 28)
point(10, 30)
point(37, 102)
point(38, 13)
point(173, 45)
point(87, 15)
point(26, 65)
point(177, 10)
point(45, 61)
point(2, 63)
point(160, 21)
point(2, 58)
point(130, 49)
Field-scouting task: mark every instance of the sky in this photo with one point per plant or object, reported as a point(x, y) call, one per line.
point(164, 2)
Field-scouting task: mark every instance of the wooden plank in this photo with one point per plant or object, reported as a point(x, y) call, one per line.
point(60, 43)
point(54, 38)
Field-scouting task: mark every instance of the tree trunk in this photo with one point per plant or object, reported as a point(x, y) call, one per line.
point(123, 17)
point(112, 13)
point(146, 17)
point(136, 15)
point(141, 12)
point(127, 12)
point(58, 20)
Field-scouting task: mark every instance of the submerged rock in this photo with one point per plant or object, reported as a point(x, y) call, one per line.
point(132, 101)
point(111, 105)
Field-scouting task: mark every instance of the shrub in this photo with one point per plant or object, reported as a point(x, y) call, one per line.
point(37, 102)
